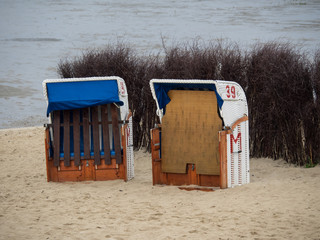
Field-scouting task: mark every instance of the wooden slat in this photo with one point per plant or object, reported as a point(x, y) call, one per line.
point(66, 137)
point(86, 142)
point(223, 159)
point(56, 138)
point(105, 131)
point(240, 120)
point(116, 133)
point(76, 136)
point(95, 131)
point(155, 155)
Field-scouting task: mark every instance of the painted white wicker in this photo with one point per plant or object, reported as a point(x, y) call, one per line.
point(130, 156)
point(238, 155)
point(235, 102)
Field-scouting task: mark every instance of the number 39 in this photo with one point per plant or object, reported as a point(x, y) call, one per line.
point(231, 91)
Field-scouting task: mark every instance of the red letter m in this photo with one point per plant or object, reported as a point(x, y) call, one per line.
point(235, 140)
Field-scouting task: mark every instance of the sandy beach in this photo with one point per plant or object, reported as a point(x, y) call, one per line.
point(281, 202)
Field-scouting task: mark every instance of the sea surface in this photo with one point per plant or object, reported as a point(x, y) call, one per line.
point(36, 34)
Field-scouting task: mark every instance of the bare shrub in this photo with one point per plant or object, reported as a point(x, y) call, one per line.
point(281, 85)
point(312, 115)
point(112, 60)
point(120, 60)
point(197, 60)
point(143, 105)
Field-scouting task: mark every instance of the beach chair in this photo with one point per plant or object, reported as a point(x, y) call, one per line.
point(203, 135)
point(89, 136)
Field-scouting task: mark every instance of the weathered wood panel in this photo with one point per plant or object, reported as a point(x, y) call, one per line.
point(96, 138)
point(116, 133)
point(105, 133)
point(76, 136)
point(66, 137)
point(56, 138)
point(86, 141)
point(223, 159)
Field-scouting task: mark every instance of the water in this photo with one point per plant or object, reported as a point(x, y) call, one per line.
point(35, 35)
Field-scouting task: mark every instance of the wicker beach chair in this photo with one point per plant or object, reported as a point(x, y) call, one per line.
point(203, 137)
point(89, 136)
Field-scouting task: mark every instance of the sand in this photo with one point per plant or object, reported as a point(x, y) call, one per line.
point(281, 202)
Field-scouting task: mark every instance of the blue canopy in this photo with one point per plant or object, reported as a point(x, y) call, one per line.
point(81, 94)
point(162, 89)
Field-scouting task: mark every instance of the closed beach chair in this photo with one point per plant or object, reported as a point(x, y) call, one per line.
point(89, 136)
point(203, 138)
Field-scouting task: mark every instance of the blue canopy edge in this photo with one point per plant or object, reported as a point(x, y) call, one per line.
point(81, 94)
point(162, 89)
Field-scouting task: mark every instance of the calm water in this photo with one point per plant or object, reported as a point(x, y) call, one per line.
point(35, 35)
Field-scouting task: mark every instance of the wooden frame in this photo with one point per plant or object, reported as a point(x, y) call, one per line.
point(177, 179)
point(86, 165)
point(191, 177)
